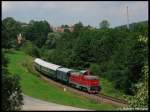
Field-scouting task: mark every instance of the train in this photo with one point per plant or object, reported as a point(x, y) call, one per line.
point(80, 79)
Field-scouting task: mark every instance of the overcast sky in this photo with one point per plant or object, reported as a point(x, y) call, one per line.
point(71, 12)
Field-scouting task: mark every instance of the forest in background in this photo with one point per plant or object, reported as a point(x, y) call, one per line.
point(117, 54)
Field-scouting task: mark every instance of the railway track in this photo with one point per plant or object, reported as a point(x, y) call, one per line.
point(113, 99)
point(98, 98)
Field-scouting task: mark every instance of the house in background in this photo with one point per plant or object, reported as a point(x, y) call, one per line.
point(62, 29)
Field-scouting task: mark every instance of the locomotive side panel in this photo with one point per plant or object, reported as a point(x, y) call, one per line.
point(85, 82)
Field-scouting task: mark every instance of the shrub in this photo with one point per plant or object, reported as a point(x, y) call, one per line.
point(95, 69)
point(30, 49)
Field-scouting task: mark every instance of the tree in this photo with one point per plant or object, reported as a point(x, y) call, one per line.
point(104, 24)
point(78, 26)
point(88, 27)
point(37, 32)
point(95, 69)
point(64, 26)
point(140, 100)
point(10, 29)
point(67, 30)
point(82, 47)
point(12, 98)
point(51, 40)
point(11, 92)
point(6, 41)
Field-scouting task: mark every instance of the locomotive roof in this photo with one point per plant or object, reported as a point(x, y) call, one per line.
point(64, 69)
point(46, 64)
point(91, 77)
point(83, 71)
point(76, 72)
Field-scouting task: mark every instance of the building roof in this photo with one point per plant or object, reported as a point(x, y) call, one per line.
point(46, 64)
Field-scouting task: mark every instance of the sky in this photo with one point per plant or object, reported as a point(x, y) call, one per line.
point(71, 12)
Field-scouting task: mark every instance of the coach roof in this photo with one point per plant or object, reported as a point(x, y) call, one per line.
point(46, 64)
point(64, 69)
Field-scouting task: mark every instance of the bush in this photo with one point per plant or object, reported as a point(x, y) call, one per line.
point(29, 48)
point(95, 69)
point(11, 92)
point(12, 98)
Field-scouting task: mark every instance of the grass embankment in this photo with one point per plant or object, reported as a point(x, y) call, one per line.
point(108, 89)
point(33, 86)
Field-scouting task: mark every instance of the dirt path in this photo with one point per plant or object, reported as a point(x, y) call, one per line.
point(36, 104)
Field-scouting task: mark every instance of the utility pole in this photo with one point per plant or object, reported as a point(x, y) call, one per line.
point(127, 18)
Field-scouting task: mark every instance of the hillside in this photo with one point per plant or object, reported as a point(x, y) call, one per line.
point(134, 25)
point(31, 85)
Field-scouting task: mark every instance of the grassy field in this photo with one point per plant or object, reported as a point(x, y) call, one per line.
point(33, 86)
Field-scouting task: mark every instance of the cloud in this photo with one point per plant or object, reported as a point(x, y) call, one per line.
point(70, 12)
point(6, 6)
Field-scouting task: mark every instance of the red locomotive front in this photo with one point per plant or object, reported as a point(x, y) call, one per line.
point(85, 81)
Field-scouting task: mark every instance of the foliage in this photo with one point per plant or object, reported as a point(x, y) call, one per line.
point(95, 69)
point(108, 88)
point(11, 92)
point(78, 26)
point(5, 38)
point(31, 49)
point(51, 40)
point(104, 24)
point(5, 60)
point(12, 98)
point(37, 32)
point(139, 28)
point(120, 54)
point(10, 29)
point(140, 100)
